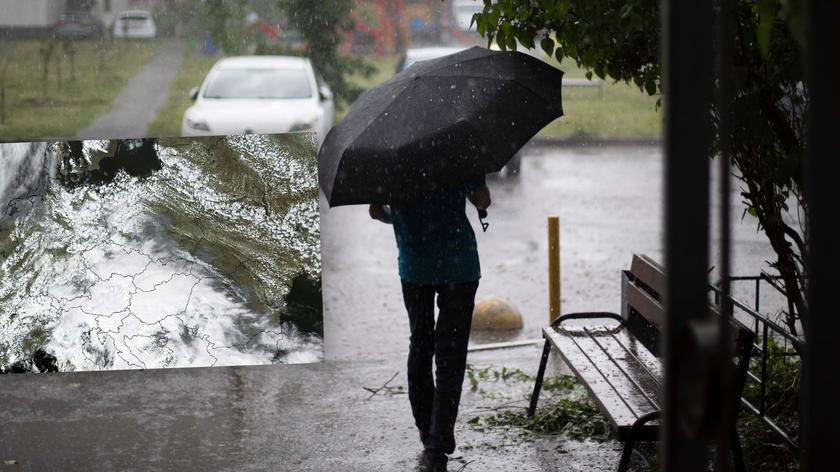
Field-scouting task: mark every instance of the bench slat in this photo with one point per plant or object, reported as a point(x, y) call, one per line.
point(649, 272)
point(650, 362)
point(613, 407)
point(646, 305)
point(636, 371)
point(620, 376)
point(618, 382)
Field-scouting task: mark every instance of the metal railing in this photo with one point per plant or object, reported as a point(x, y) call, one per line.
point(767, 331)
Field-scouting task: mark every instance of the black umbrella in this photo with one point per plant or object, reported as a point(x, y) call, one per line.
point(437, 123)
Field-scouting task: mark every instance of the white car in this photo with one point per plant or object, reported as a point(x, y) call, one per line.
point(135, 24)
point(463, 11)
point(261, 95)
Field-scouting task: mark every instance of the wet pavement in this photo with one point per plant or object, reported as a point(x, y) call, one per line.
point(137, 105)
point(315, 417)
point(610, 204)
point(320, 417)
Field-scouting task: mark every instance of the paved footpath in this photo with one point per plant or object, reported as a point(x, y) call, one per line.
point(301, 418)
point(137, 105)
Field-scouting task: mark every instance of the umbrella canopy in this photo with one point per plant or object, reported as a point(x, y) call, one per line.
point(437, 123)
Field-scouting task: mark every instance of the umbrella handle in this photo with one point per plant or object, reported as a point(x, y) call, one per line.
point(482, 214)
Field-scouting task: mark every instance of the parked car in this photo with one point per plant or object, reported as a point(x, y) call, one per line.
point(76, 25)
point(135, 24)
point(414, 55)
point(462, 12)
point(261, 95)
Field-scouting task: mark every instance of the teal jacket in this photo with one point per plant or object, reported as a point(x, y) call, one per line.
point(435, 239)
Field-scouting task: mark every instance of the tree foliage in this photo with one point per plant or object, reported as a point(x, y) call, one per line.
point(324, 25)
point(615, 38)
point(620, 39)
point(225, 20)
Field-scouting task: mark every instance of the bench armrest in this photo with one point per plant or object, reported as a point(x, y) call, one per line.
point(646, 418)
point(587, 315)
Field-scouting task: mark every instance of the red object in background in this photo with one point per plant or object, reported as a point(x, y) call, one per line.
point(382, 27)
point(271, 31)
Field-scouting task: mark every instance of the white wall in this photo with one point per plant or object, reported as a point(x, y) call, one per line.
point(30, 13)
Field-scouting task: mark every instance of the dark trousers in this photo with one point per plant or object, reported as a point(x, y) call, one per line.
point(435, 400)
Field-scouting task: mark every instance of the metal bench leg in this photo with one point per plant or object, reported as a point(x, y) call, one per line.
point(635, 431)
point(624, 464)
point(532, 408)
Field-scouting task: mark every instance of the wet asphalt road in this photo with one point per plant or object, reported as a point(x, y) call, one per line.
point(610, 204)
point(302, 418)
point(266, 417)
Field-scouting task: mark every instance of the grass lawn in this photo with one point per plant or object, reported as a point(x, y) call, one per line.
point(193, 70)
point(384, 68)
point(68, 105)
point(621, 111)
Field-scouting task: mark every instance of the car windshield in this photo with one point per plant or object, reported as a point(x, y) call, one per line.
point(259, 83)
point(78, 17)
point(137, 20)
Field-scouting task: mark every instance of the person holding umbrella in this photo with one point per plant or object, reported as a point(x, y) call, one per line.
point(438, 255)
point(415, 148)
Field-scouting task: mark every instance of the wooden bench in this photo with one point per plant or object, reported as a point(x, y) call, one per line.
point(616, 357)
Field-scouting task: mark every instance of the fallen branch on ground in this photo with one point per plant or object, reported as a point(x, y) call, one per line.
point(399, 389)
point(461, 469)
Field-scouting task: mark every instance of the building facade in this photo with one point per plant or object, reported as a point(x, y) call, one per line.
point(27, 15)
point(35, 18)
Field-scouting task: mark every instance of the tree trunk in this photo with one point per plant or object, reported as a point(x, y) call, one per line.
point(3, 102)
point(46, 55)
point(100, 52)
point(46, 77)
point(763, 198)
point(59, 75)
point(71, 54)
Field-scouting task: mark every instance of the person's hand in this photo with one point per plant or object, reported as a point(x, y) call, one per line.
point(376, 211)
point(379, 212)
point(480, 197)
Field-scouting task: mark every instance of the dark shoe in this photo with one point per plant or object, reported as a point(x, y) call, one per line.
point(432, 461)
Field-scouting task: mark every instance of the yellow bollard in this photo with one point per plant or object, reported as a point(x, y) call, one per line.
point(553, 267)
